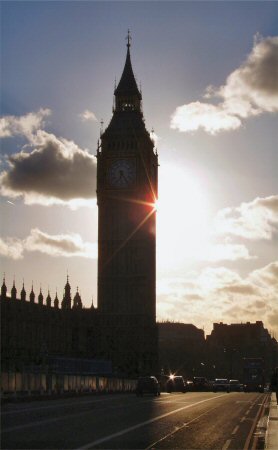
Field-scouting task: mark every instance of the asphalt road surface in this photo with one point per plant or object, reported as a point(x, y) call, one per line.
point(193, 420)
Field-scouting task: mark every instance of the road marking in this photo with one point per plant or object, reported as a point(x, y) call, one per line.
point(142, 424)
point(179, 428)
point(243, 401)
point(226, 445)
point(235, 429)
point(243, 419)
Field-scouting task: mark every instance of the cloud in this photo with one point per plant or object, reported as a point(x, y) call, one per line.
point(239, 288)
point(250, 90)
point(55, 171)
point(267, 276)
point(254, 220)
point(225, 252)
point(24, 125)
point(62, 245)
point(88, 115)
point(67, 245)
point(198, 115)
point(11, 248)
point(217, 294)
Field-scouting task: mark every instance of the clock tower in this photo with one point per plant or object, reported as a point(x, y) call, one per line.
point(127, 167)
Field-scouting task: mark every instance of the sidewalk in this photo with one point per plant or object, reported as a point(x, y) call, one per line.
point(271, 442)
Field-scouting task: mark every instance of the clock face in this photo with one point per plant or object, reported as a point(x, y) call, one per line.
point(121, 173)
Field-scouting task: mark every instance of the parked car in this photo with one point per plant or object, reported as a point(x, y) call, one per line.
point(147, 385)
point(221, 384)
point(176, 384)
point(235, 385)
point(200, 384)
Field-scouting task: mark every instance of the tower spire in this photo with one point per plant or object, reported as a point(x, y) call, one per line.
point(128, 39)
point(127, 94)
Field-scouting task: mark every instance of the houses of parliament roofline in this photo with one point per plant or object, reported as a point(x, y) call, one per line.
point(66, 303)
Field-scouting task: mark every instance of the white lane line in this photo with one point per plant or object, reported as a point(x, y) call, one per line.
point(226, 445)
point(179, 428)
point(142, 424)
point(243, 419)
point(235, 429)
point(65, 417)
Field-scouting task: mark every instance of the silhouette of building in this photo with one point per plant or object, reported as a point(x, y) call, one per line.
point(227, 345)
point(126, 193)
point(123, 327)
point(181, 349)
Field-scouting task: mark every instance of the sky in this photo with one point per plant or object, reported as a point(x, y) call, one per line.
point(209, 78)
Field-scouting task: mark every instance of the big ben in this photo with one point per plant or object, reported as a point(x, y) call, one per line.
point(127, 169)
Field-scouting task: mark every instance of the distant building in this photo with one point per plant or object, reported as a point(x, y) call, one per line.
point(181, 349)
point(227, 345)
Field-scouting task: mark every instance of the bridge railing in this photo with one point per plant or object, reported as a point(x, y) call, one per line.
point(42, 383)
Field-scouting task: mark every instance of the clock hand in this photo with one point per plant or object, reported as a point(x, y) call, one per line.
point(122, 176)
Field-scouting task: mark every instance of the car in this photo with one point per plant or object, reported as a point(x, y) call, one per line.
point(147, 385)
point(176, 384)
point(189, 385)
point(221, 384)
point(235, 385)
point(200, 384)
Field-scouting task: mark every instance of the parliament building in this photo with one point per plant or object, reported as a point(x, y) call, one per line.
point(122, 329)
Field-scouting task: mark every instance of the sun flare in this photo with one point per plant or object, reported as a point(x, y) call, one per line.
point(182, 217)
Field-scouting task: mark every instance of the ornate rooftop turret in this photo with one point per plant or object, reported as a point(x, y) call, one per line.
point(77, 303)
point(23, 293)
point(13, 291)
point(40, 298)
point(48, 300)
point(32, 295)
point(56, 301)
point(66, 302)
point(3, 290)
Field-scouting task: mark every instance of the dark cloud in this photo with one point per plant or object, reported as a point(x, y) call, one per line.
point(56, 168)
point(261, 70)
point(259, 304)
point(239, 288)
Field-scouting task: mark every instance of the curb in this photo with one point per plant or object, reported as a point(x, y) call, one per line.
point(271, 438)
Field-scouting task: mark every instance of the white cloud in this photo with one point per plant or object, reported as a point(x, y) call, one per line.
point(254, 220)
point(220, 295)
point(11, 248)
point(55, 171)
point(67, 245)
point(61, 245)
point(198, 115)
point(88, 115)
point(24, 125)
point(225, 252)
point(250, 90)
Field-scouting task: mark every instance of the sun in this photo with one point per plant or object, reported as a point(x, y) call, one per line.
point(182, 217)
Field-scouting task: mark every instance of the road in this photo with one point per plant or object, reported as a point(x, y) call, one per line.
point(193, 420)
